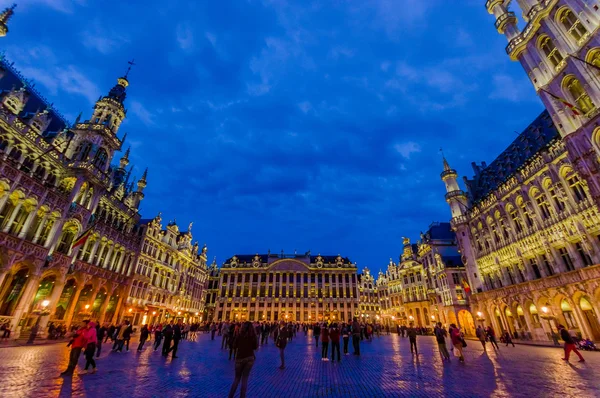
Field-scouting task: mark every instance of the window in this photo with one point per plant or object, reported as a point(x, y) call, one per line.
point(543, 205)
point(549, 269)
point(585, 258)
point(528, 219)
point(100, 159)
point(13, 104)
point(535, 268)
point(83, 151)
point(559, 205)
point(564, 254)
point(572, 24)
point(573, 86)
point(577, 188)
point(550, 52)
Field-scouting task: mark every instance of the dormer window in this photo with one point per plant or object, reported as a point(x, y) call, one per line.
point(100, 159)
point(36, 125)
point(13, 104)
point(83, 151)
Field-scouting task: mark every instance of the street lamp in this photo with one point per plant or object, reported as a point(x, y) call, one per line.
point(548, 316)
point(87, 307)
point(480, 317)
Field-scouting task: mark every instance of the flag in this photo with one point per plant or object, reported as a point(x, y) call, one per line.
point(466, 286)
point(82, 238)
point(575, 110)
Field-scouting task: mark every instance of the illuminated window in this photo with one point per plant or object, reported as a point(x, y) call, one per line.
point(550, 51)
point(572, 24)
point(543, 205)
point(578, 94)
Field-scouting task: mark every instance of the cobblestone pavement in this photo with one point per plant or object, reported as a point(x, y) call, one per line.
point(386, 368)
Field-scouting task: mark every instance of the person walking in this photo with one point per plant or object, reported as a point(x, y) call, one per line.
point(324, 342)
point(569, 344)
point(317, 333)
point(77, 343)
point(481, 335)
point(177, 336)
point(168, 337)
point(158, 335)
point(90, 349)
point(224, 333)
point(412, 338)
point(508, 339)
point(492, 336)
point(213, 330)
point(345, 337)
point(440, 338)
point(457, 341)
point(281, 343)
point(334, 336)
point(144, 333)
point(245, 344)
point(126, 336)
point(356, 336)
point(100, 333)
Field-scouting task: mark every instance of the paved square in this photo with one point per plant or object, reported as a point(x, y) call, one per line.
point(386, 368)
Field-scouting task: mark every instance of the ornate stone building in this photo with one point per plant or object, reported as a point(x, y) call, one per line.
point(426, 285)
point(56, 181)
point(212, 291)
point(301, 288)
point(528, 225)
point(70, 238)
point(369, 306)
point(170, 277)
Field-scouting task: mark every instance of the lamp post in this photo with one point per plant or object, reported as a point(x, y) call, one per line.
point(41, 312)
point(410, 319)
point(548, 316)
point(480, 317)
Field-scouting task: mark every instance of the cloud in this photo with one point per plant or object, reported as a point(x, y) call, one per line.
point(143, 114)
point(408, 148)
point(101, 38)
point(305, 106)
point(185, 36)
point(508, 88)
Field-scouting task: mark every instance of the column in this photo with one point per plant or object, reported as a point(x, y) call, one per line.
point(24, 302)
point(59, 284)
point(28, 221)
point(108, 258)
point(40, 228)
point(12, 217)
point(72, 305)
point(116, 315)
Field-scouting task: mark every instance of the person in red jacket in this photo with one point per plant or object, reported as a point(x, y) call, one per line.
point(334, 336)
point(77, 343)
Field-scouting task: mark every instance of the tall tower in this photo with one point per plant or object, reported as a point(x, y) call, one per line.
point(457, 200)
point(4, 17)
point(559, 49)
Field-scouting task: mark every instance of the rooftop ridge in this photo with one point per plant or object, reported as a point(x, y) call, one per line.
point(27, 83)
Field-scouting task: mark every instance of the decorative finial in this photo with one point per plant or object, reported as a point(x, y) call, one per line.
point(446, 165)
point(145, 175)
point(127, 152)
point(4, 17)
point(78, 118)
point(131, 63)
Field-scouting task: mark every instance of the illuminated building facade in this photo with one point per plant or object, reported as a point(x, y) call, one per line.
point(212, 291)
point(299, 288)
point(426, 285)
point(369, 307)
point(56, 181)
point(70, 233)
point(170, 277)
point(528, 225)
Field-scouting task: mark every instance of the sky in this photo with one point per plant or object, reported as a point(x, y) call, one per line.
point(287, 125)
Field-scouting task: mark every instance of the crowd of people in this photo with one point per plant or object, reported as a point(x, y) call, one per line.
point(240, 340)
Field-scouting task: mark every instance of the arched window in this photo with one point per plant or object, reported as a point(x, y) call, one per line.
point(575, 89)
point(66, 239)
point(15, 154)
point(36, 125)
point(577, 188)
point(568, 314)
point(572, 24)
point(83, 151)
point(593, 57)
point(100, 159)
point(3, 144)
point(28, 164)
point(550, 51)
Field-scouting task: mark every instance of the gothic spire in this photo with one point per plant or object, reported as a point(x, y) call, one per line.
point(4, 17)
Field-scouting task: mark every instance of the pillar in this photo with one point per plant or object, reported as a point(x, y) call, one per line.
point(59, 284)
point(116, 315)
point(12, 217)
point(40, 227)
point(72, 305)
point(24, 302)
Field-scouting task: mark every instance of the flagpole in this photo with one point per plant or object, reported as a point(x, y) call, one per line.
point(585, 62)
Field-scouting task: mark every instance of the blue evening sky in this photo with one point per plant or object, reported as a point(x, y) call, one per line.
point(292, 125)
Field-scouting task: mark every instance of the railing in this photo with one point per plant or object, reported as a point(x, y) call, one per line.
point(454, 194)
point(447, 173)
point(504, 19)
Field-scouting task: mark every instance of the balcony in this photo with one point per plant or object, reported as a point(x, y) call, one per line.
point(505, 19)
point(448, 173)
point(455, 194)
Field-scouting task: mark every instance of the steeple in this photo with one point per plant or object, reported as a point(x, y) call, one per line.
point(4, 17)
point(125, 159)
point(455, 197)
point(110, 110)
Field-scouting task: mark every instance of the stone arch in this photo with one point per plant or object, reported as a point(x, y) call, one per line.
point(585, 307)
point(13, 288)
point(466, 322)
